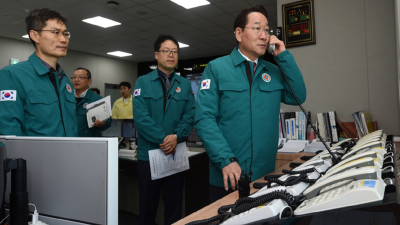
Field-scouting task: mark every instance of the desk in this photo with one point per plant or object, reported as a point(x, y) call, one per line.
point(196, 190)
point(212, 210)
point(285, 158)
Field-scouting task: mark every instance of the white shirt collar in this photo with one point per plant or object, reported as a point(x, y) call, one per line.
point(247, 58)
point(82, 95)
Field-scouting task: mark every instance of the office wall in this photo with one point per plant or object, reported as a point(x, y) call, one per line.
point(352, 66)
point(103, 69)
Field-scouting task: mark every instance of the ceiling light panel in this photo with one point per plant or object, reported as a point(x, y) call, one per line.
point(188, 4)
point(181, 45)
point(119, 54)
point(25, 36)
point(101, 22)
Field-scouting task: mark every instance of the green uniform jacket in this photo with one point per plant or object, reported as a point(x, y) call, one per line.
point(152, 124)
point(234, 120)
point(83, 129)
point(36, 108)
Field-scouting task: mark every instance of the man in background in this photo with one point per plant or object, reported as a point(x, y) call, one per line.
point(96, 90)
point(163, 105)
point(81, 80)
point(36, 96)
point(122, 108)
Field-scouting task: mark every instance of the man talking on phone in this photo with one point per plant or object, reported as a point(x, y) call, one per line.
point(238, 104)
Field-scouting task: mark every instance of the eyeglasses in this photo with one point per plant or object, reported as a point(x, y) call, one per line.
point(258, 30)
point(78, 78)
point(58, 33)
point(167, 52)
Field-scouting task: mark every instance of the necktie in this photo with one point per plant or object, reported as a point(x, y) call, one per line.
point(254, 68)
point(167, 82)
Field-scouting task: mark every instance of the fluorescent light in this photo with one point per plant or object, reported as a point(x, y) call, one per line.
point(101, 22)
point(191, 3)
point(181, 45)
point(119, 54)
point(153, 67)
point(25, 36)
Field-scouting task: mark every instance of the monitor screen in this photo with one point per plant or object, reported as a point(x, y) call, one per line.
point(195, 80)
point(128, 129)
point(114, 130)
point(193, 137)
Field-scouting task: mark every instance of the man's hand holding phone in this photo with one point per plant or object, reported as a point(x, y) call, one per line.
point(279, 45)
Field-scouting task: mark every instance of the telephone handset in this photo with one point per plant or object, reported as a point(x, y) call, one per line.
point(380, 150)
point(367, 161)
point(271, 49)
point(352, 174)
point(371, 154)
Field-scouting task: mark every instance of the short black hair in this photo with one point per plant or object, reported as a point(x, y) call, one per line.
point(89, 74)
point(37, 19)
point(161, 38)
point(96, 90)
point(242, 18)
point(126, 84)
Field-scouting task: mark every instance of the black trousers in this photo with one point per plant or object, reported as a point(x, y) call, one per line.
point(217, 193)
point(149, 191)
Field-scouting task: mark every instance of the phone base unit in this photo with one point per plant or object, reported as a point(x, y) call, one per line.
point(360, 192)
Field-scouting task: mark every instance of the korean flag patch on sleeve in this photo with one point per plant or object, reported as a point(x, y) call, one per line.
point(8, 95)
point(136, 92)
point(205, 84)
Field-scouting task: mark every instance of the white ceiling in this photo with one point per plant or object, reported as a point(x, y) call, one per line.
point(207, 29)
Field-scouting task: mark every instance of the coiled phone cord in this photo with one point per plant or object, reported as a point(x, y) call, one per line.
point(215, 220)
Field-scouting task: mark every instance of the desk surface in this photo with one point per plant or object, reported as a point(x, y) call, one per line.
point(212, 209)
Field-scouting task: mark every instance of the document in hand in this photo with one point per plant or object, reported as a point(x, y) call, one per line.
point(100, 109)
point(162, 165)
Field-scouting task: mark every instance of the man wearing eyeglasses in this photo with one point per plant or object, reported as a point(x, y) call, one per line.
point(81, 80)
point(242, 93)
point(163, 108)
point(36, 97)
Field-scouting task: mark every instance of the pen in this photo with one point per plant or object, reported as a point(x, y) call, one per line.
point(173, 156)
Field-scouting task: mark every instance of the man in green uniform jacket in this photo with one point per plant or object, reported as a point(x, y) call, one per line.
point(238, 104)
point(163, 108)
point(82, 79)
point(36, 97)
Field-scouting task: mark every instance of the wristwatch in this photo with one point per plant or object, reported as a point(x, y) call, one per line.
point(233, 159)
point(176, 137)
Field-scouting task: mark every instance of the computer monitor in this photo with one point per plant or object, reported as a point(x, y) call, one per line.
point(70, 180)
point(114, 130)
point(128, 129)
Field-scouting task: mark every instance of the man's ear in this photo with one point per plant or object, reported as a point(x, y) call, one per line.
point(238, 34)
point(90, 82)
point(156, 55)
point(34, 35)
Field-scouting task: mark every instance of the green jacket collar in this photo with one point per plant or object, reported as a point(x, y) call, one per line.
point(38, 65)
point(237, 58)
point(89, 94)
point(154, 76)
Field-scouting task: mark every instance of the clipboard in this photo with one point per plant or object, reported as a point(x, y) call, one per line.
point(98, 111)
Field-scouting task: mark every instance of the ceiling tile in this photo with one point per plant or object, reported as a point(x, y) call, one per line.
point(163, 20)
point(229, 7)
point(134, 12)
point(121, 17)
point(143, 25)
point(181, 28)
point(201, 24)
point(42, 4)
point(225, 19)
point(197, 34)
point(262, 2)
point(218, 30)
point(208, 11)
point(165, 7)
point(93, 7)
point(70, 2)
point(144, 1)
point(184, 16)
point(122, 3)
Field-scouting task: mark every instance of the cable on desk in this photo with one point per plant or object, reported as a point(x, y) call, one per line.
point(259, 185)
point(223, 215)
point(247, 203)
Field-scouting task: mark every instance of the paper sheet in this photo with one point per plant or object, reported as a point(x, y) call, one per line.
point(162, 165)
point(105, 99)
point(293, 146)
